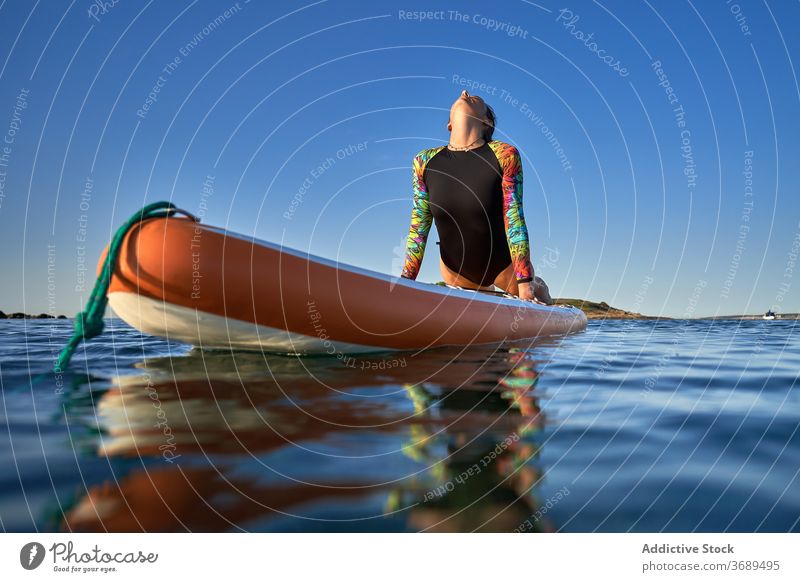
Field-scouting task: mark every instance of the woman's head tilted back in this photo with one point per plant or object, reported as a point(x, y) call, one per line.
point(472, 109)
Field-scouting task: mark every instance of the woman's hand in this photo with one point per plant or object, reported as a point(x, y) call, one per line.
point(528, 292)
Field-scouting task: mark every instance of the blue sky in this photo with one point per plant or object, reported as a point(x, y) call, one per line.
point(660, 139)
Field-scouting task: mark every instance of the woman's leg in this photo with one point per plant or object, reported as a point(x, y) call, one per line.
point(456, 280)
point(507, 281)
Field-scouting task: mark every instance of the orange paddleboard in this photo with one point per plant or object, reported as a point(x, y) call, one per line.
point(216, 289)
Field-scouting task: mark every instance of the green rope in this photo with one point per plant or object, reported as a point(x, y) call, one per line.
point(89, 322)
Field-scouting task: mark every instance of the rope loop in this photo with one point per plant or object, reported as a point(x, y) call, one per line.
point(89, 322)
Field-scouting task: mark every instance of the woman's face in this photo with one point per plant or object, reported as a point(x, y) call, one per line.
point(469, 106)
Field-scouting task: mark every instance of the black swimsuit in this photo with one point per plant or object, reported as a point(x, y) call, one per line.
point(466, 200)
point(475, 199)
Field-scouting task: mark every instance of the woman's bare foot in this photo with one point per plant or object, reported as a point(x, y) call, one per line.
point(541, 291)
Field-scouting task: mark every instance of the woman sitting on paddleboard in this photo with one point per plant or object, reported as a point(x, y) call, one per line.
point(472, 190)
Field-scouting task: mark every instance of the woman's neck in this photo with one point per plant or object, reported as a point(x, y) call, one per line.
point(466, 134)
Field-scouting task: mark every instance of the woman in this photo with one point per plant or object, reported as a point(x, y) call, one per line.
point(472, 190)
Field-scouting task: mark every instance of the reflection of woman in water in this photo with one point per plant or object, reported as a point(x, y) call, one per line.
point(486, 481)
point(472, 190)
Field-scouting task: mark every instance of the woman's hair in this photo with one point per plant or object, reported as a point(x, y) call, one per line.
point(489, 131)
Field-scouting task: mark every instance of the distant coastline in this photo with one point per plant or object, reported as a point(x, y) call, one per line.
point(20, 315)
point(778, 316)
point(592, 309)
point(603, 310)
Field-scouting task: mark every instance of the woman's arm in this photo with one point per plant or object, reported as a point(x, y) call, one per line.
point(516, 231)
point(421, 220)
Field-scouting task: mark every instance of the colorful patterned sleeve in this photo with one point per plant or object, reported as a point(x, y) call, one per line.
point(516, 231)
point(421, 217)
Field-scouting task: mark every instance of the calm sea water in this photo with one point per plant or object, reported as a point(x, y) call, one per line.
point(629, 426)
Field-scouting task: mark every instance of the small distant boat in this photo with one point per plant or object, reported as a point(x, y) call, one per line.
point(769, 315)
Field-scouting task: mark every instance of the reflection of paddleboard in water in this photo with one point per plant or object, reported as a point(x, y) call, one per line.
point(193, 423)
point(216, 289)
